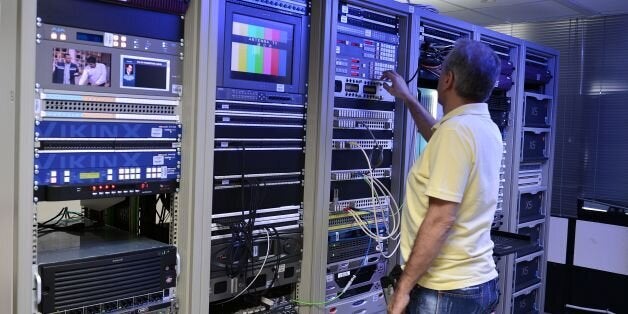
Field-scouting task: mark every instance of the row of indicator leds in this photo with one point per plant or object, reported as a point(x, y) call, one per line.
point(111, 189)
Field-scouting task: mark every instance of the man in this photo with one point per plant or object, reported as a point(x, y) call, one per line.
point(128, 78)
point(65, 71)
point(94, 74)
point(452, 191)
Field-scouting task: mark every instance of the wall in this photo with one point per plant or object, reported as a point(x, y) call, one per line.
point(591, 138)
point(8, 24)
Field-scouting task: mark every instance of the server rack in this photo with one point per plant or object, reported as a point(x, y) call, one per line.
point(26, 282)
point(521, 274)
point(329, 171)
point(509, 49)
point(532, 177)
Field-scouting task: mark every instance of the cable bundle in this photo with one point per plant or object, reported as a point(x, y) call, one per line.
point(431, 60)
point(64, 215)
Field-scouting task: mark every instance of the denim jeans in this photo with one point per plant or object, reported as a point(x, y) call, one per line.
point(478, 299)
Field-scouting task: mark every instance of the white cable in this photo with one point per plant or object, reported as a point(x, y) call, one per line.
point(368, 161)
point(363, 224)
point(260, 269)
point(393, 252)
point(395, 210)
point(394, 232)
point(343, 290)
point(587, 309)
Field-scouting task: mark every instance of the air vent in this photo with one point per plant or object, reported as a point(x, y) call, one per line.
point(88, 282)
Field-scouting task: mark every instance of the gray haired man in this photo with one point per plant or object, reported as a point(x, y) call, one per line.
point(452, 191)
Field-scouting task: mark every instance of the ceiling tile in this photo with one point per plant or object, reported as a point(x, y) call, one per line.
point(530, 12)
point(603, 6)
point(475, 4)
point(474, 17)
point(442, 6)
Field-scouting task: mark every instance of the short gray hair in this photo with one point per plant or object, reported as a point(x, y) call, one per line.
point(476, 68)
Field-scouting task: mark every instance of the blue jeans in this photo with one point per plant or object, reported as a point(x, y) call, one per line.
point(478, 299)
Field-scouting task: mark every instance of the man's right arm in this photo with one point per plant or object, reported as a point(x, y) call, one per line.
point(83, 79)
point(422, 118)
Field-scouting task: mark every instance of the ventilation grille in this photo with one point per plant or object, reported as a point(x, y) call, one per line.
point(104, 107)
point(168, 6)
point(101, 283)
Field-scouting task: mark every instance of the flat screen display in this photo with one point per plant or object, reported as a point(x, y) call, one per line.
point(81, 67)
point(144, 73)
point(261, 50)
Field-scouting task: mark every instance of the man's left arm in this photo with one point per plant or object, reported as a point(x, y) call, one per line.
point(433, 232)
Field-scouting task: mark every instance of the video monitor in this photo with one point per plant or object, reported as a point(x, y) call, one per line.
point(144, 73)
point(261, 50)
point(81, 67)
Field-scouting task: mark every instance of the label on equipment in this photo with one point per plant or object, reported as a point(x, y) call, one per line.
point(330, 278)
point(281, 88)
point(343, 19)
point(226, 119)
point(158, 160)
point(108, 40)
point(345, 9)
point(367, 32)
point(224, 144)
point(282, 268)
point(224, 106)
point(344, 274)
point(37, 106)
point(255, 251)
point(156, 132)
point(164, 172)
point(177, 89)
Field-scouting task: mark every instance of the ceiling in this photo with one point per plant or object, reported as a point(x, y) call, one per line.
point(491, 12)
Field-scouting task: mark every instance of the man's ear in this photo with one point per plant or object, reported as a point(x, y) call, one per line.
point(448, 80)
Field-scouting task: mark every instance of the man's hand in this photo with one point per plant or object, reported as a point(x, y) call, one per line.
point(398, 303)
point(398, 86)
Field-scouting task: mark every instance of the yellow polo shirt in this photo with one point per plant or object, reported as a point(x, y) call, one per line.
point(460, 164)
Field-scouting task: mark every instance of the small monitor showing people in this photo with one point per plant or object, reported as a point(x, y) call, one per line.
point(81, 67)
point(139, 72)
point(65, 70)
point(128, 77)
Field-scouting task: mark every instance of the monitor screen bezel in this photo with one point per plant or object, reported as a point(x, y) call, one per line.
point(122, 66)
point(300, 43)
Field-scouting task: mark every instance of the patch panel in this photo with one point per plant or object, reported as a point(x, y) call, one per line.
point(362, 203)
point(362, 124)
point(359, 174)
point(338, 221)
point(356, 144)
point(364, 114)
